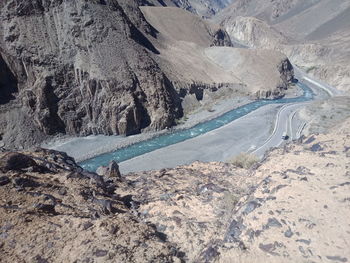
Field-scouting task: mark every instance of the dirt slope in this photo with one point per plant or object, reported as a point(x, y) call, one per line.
point(186, 42)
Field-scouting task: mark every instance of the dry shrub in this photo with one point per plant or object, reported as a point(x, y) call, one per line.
point(244, 160)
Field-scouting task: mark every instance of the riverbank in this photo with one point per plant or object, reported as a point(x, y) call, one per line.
point(92, 146)
point(83, 148)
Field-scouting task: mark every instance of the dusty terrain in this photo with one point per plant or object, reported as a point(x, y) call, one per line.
point(284, 210)
point(187, 42)
point(53, 211)
point(323, 115)
point(202, 8)
point(292, 207)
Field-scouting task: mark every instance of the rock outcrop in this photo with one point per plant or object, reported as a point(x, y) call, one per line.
point(60, 213)
point(253, 32)
point(284, 209)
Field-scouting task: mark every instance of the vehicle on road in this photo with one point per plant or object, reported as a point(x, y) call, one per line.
point(285, 136)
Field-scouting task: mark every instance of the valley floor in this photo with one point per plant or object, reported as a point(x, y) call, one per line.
point(251, 133)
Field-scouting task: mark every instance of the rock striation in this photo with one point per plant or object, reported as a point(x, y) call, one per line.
point(203, 8)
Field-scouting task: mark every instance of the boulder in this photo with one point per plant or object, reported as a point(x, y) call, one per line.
point(112, 170)
point(16, 161)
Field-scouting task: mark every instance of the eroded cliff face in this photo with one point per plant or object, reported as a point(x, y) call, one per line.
point(203, 8)
point(79, 68)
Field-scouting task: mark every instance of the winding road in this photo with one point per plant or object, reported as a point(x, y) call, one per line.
point(284, 118)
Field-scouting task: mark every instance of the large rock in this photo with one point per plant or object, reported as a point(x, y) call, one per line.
point(72, 215)
point(112, 170)
point(16, 161)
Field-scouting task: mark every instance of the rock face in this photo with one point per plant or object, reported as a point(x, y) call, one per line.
point(86, 69)
point(112, 170)
point(253, 32)
point(265, 73)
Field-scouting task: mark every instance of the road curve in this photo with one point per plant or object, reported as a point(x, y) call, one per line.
point(284, 116)
point(282, 124)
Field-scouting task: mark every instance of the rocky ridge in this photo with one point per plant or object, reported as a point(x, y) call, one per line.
point(87, 70)
point(103, 68)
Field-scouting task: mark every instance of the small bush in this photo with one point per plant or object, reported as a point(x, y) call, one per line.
point(309, 69)
point(244, 160)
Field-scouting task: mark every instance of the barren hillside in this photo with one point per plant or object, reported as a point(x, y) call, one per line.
point(187, 42)
point(313, 34)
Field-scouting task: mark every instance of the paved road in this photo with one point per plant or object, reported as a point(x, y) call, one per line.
point(284, 119)
point(283, 124)
point(251, 133)
point(218, 145)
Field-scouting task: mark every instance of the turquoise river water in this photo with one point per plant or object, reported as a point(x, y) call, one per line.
point(177, 136)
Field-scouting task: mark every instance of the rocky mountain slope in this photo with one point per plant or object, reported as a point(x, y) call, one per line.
point(87, 69)
point(285, 209)
point(313, 34)
point(53, 211)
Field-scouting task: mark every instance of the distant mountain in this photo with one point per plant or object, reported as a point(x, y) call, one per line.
point(203, 8)
point(313, 34)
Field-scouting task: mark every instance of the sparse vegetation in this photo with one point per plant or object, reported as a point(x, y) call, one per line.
point(181, 121)
point(209, 108)
point(309, 69)
point(230, 200)
point(244, 160)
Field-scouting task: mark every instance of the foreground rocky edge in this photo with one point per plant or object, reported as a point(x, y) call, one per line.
point(292, 207)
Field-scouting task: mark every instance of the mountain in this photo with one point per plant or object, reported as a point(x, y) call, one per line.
point(87, 68)
point(313, 34)
point(187, 42)
point(113, 68)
